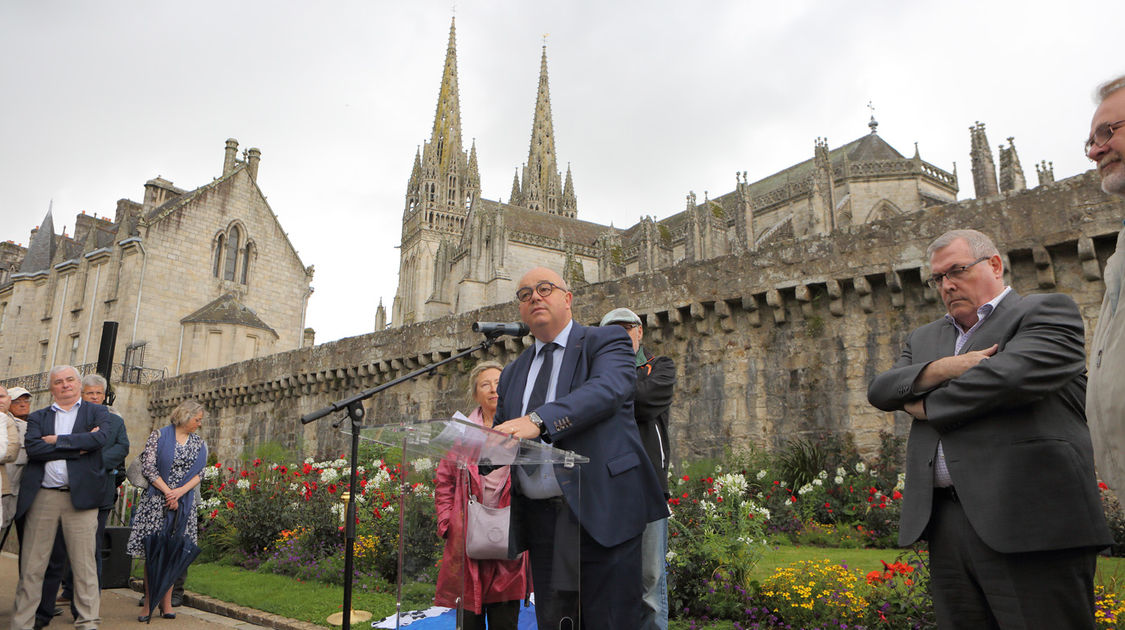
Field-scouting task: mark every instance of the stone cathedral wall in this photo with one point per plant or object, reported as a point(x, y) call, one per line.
point(769, 344)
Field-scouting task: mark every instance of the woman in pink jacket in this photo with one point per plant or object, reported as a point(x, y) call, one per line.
point(492, 588)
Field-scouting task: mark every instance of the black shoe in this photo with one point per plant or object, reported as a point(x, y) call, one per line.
point(141, 602)
point(177, 601)
point(168, 615)
point(144, 618)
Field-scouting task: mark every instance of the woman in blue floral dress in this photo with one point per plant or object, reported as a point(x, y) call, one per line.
point(172, 462)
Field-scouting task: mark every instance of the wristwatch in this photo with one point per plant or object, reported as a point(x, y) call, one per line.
point(537, 421)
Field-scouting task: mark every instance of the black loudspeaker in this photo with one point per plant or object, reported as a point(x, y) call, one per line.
point(116, 561)
point(105, 357)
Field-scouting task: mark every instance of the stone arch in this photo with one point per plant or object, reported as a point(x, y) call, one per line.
point(883, 209)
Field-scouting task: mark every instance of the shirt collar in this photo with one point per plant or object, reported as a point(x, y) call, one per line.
point(984, 310)
point(560, 338)
point(55, 407)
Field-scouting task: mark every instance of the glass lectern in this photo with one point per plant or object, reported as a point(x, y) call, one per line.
point(449, 449)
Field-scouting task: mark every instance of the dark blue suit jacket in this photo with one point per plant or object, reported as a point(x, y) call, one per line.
point(592, 415)
point(86, 472)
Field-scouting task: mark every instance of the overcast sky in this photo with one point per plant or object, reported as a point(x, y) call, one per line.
point(650, 100)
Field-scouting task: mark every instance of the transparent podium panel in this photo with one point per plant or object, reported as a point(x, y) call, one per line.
point(502, 532)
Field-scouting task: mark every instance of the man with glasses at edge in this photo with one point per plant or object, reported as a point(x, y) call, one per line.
point(999, 465)
point(583, 402)
point(1105, 394)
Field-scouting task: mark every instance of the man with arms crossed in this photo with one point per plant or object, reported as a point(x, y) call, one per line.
point(63, 484)
point(582, 403)
point(999, 466)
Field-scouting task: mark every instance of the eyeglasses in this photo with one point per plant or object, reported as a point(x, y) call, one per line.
point(1102, 134)
point(626, 326)
point(543, 288)
point(955, 273)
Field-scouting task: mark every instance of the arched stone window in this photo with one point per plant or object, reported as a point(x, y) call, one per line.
point(246, 255)
point(233, 243)
point(218, 266)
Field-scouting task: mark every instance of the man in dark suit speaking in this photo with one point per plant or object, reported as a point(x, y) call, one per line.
point(999, 465)
point(574, 389)
point(63, 485)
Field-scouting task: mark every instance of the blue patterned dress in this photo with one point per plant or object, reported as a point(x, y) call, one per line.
point(149, 515)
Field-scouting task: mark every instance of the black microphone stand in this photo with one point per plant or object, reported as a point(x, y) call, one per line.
point(354, 408)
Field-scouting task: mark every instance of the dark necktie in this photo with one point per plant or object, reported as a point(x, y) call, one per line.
point(543, 379)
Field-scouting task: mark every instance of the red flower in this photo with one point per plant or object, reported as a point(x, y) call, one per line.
point(244, 473)
point(218, 465)
point(686, 478)
point(230, 505)
point(897, 495)
point(214, 513)
point(257, 462)
point(332, 489)
point(1102, 486)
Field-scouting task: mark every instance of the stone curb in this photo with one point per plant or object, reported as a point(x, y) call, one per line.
point(241, 613)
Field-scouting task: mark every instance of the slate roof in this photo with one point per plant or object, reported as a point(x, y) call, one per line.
point(41, 249)
point(546, 225)
point(226, 309)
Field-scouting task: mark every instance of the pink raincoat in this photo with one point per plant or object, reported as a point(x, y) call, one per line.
point(486, 581)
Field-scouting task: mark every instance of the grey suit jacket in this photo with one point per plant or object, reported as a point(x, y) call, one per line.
point(1013, 428)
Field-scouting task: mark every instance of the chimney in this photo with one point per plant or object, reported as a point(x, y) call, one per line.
point(229, 156)
point(253, 156)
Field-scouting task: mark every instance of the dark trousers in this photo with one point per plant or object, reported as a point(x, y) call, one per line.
point(501, 616)
point(974, 586)
point(610, 577)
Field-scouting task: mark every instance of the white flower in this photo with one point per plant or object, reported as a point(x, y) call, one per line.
point(210, 472)
point(784, 483)
point(337, 509)
point(761, 474)
point(901, 483)
point(422, 464)
point(839, 480)
point(308, 460)
point(817, 482)
point(734, 482)
point(840, 471)
point(670, 555)
point(718, 469)
point(295, 488)
point(328, 475)
point(243, 484)
point(822, 474)
point(805, 489)
point(860, 467)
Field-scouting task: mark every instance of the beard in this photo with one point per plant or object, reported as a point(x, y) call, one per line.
point(1113, 178)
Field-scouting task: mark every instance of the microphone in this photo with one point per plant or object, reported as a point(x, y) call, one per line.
point(493, 330)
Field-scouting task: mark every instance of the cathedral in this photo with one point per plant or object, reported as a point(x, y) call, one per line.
point(461, 251)
point(196, 279)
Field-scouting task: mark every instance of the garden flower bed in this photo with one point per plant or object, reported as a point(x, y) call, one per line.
point(728, 518)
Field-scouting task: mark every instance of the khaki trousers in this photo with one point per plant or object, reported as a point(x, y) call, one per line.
point(49, 510)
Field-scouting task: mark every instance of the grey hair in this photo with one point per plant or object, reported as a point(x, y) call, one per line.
point(477, 369)
point(94, 380)
point(1107, 88)
point(60, 368)
point(185, 411)
point(979, 244)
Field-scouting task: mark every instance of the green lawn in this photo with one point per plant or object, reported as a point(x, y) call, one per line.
point(314, 601)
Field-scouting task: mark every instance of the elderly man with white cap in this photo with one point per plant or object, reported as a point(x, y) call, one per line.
point(656, 377)
point(16, 404)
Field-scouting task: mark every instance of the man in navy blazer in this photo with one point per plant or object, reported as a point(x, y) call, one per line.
point(999, 465)
point(587, 409)
point(63, 485)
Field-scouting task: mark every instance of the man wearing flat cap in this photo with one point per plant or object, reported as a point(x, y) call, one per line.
point(656, 377)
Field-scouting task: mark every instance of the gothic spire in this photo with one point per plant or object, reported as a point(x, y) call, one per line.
point(446, 136)
point(542, 188)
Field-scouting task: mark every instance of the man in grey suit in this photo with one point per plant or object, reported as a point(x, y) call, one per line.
point(999, 466)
